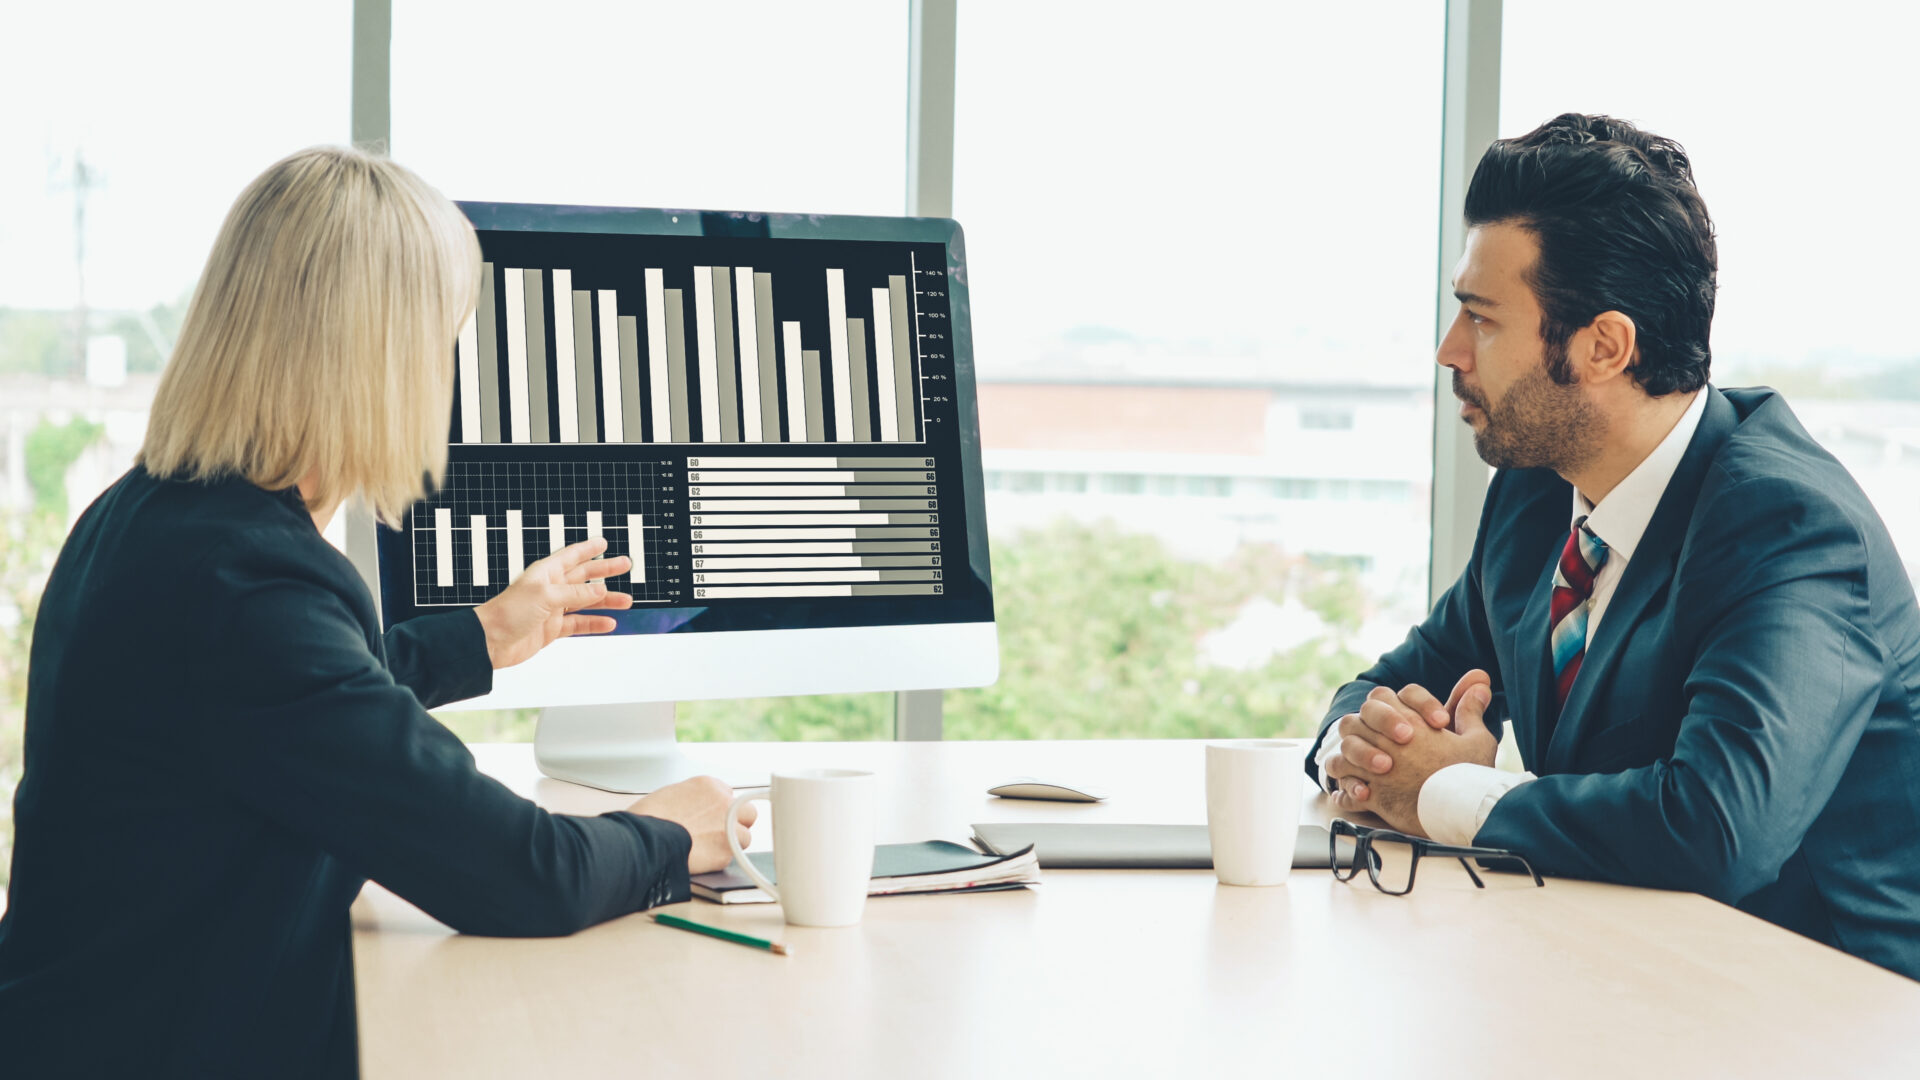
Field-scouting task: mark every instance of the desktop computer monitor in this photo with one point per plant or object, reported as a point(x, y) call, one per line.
point(773, 415)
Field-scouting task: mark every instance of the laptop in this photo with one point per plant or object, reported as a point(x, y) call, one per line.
point(1077, 846)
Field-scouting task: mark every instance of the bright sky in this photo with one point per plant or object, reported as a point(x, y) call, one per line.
point(1226, 179)
point(176, 106)
point(713, 105)
point(1250, 180)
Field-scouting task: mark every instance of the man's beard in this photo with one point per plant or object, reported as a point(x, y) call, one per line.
point(1540, 423)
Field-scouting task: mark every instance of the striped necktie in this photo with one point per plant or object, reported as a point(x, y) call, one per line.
point(1580, 560)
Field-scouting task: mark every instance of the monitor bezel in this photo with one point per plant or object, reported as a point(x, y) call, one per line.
point(901, 656)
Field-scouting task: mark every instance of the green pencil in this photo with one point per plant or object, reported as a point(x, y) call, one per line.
point(723, 935)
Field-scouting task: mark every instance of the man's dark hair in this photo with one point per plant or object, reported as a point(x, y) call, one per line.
point(1621, 228)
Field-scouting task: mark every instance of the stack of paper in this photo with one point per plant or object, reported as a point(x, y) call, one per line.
point(933, 867)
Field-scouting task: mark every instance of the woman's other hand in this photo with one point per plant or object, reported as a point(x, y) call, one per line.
point(543, 603)
point(700, 806)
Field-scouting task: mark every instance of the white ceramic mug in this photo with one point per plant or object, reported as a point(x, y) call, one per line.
point(822, 844)
point(1253, 809)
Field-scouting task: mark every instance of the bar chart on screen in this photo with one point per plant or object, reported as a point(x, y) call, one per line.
point(699, 354)
point(767, 425)
point(490, 519)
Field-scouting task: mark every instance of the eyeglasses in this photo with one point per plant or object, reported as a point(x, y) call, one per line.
point(1392, 858)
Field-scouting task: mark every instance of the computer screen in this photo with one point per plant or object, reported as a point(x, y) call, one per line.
point(772, 414)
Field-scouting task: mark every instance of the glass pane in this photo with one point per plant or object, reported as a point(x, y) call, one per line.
point(719, 105)
point(795, 107)
point(1202, 250)
point(128, 131)
point(1810, 183)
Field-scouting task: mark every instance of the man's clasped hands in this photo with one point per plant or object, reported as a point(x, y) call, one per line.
point(1397, 740)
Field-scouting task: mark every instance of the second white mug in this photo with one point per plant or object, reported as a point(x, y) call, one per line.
point(1253, 809)
point(823, 823)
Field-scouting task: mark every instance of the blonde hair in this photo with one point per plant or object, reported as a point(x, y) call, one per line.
point(319, 343)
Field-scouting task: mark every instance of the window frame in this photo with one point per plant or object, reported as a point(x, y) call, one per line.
point(1470, 122)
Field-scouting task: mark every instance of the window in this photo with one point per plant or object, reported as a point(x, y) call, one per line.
point(1026, 483)
point(1197, 219)
point(1296, 488)
point(727, 106)
point(1810, 184)
point(113, 187)
point(1385, 491)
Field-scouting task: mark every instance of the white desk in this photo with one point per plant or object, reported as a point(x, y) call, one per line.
point(1122, 973)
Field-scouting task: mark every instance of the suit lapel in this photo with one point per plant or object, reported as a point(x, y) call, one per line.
point(1649, 572)
point(1533, 689)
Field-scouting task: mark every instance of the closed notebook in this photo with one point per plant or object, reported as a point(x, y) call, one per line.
point(1090, 846)
point(930, 867)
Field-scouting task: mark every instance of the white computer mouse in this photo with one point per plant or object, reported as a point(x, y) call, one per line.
point(1027, 787)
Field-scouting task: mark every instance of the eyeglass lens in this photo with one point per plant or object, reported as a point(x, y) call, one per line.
point(1390, 862)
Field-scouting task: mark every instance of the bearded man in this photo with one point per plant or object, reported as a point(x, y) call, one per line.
point(1703, 635)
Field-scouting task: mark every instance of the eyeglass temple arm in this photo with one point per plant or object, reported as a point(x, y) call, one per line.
point(1489, 854)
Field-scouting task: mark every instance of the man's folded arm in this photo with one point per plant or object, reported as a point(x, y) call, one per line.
point(1783, 686)
point(1452, 641)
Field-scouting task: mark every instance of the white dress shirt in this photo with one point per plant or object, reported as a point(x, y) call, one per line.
point(1456, 801)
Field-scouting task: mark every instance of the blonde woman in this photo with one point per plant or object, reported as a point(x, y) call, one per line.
point(221, 745)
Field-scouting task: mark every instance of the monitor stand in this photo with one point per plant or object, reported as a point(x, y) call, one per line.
point(624, 748)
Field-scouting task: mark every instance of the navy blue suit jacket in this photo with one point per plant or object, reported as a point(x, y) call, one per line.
point(1746, 724)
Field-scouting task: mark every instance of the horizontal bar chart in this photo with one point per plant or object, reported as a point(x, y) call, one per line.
point(825, 476)
point(689, 355)
point(760, 532)
point(771, 577)
point(713, 489)
point(724, 504)
point(873, 532)
point(696, 465)
point(718, 592)
point(798, 562)
point(865, 547)
point(711, 518)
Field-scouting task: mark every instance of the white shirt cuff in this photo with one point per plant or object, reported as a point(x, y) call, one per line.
point(1455, 801)
point(1329, 749)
